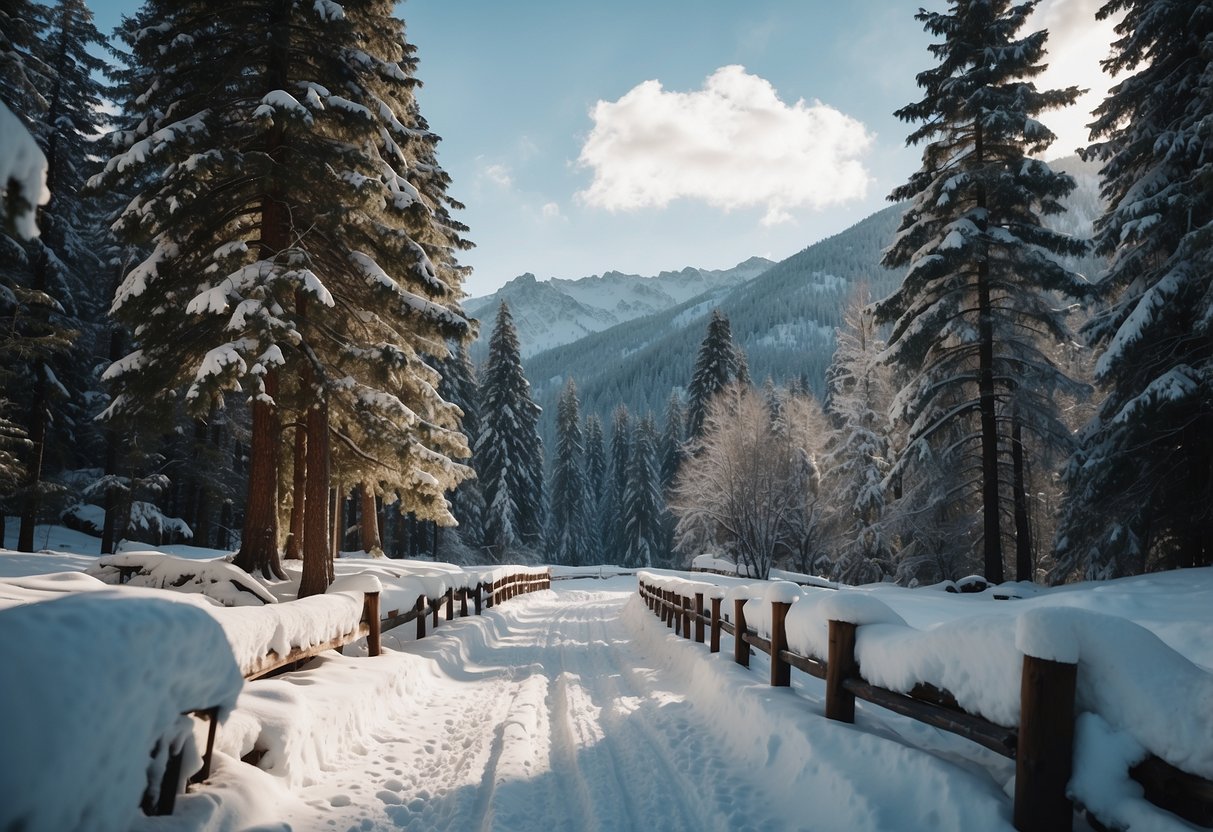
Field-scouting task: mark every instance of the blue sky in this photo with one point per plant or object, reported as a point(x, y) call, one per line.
point(641, 136)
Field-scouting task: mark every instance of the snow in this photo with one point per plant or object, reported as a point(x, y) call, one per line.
point(143, 662)
point(22, 165)
point(230, 585)
point(577, 707)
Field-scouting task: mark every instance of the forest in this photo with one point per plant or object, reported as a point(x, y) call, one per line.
point(234, 316)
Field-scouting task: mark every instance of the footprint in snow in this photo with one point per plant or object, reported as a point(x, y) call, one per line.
point(339, 800)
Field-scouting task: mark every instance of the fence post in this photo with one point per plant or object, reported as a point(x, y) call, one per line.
point(420, 616)
point(781, 671)
point(715, 640)
point(370, 612)
point(686, 617)
point(699, 617)
point(1045, 752)
point(669, 608)
point(434, 611)
point(463, 602)
point(476, 598)
point(450, 603)
point(741, 647)
point(840, 703)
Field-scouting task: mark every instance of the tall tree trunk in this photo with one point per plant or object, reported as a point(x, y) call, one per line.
point(1023, 527)
point(38, 419)
point(992, 532)
point(259, 539)
point(317, 556)
point(369, 517)
point(398, 533)
point(294, 543)
point(334, 503)
point(351, 541)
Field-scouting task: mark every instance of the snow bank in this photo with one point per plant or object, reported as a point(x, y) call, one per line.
point(230, 585)
point(144, 661)
point(254, 631)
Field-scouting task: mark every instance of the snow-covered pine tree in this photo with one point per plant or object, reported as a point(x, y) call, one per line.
point(255, 282)
point(620, 459)
point(60, 264)
point(717, 364)
point(643, 505)
point(976, 303)
point(596, 488)
point(510, 453)
point(1141, 484)
point(459, 387)
point(569, 512)
point(857, 457)
point(673, 439)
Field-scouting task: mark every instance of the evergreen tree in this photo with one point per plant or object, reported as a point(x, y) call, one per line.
point(642, 502)
point(459, 387)
point(975, 307)
point(247, 125)
point(718, 363)
point(597, 488)
point(569, 513)
point(51, 277)
point(1141, 484)
point(673, 439)
point(509, 452)
point(621, 457)
point(857, 458)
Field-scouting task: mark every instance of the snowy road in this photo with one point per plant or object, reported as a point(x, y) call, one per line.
point(555, 720)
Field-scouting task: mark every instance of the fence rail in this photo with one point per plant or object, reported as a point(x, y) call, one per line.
point(1041, 745)
point(372, 626)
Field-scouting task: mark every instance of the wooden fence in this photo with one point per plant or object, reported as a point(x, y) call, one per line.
point(1041, 745)
point(372, 625)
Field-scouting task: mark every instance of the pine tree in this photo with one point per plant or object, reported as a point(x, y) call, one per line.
point(597, 488)
point(621, 458)
point(1141, 485)
point(459, 387)
point(857, 458)
point(642, 502)
point(61, 263)
point(973, 312)
point(247, 126)
point(673, 439)
point(510, 453)
point(718, 363)
point(569, 513)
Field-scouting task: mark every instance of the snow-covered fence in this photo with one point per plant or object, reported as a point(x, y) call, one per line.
point(825, 634)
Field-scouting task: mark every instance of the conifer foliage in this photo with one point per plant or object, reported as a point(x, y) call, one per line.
point(643, 506)
point(971, 319)
point(569, 513)
point(1141, 484)
point(509, 453)
point(299, 250)
point(718, 363)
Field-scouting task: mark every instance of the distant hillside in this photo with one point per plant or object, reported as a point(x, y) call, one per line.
point(550, 313)
point(784, 318)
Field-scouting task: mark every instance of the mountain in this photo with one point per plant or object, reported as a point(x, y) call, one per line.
point(551, 313)
point(784, 318)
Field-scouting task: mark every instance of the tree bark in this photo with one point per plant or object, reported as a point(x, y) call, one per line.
point(317, 556)
point(369, 517)
point(259, 540)
point(1023, 527)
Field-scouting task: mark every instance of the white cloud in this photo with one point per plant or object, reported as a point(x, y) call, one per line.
point(1077, 43)
point(551, 211)
point(732, 144)
point(498, 174)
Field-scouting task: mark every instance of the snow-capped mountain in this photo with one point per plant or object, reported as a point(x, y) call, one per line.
point(551, 313)
point(783, 318)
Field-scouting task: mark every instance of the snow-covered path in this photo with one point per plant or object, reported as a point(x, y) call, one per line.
point(552, 719)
